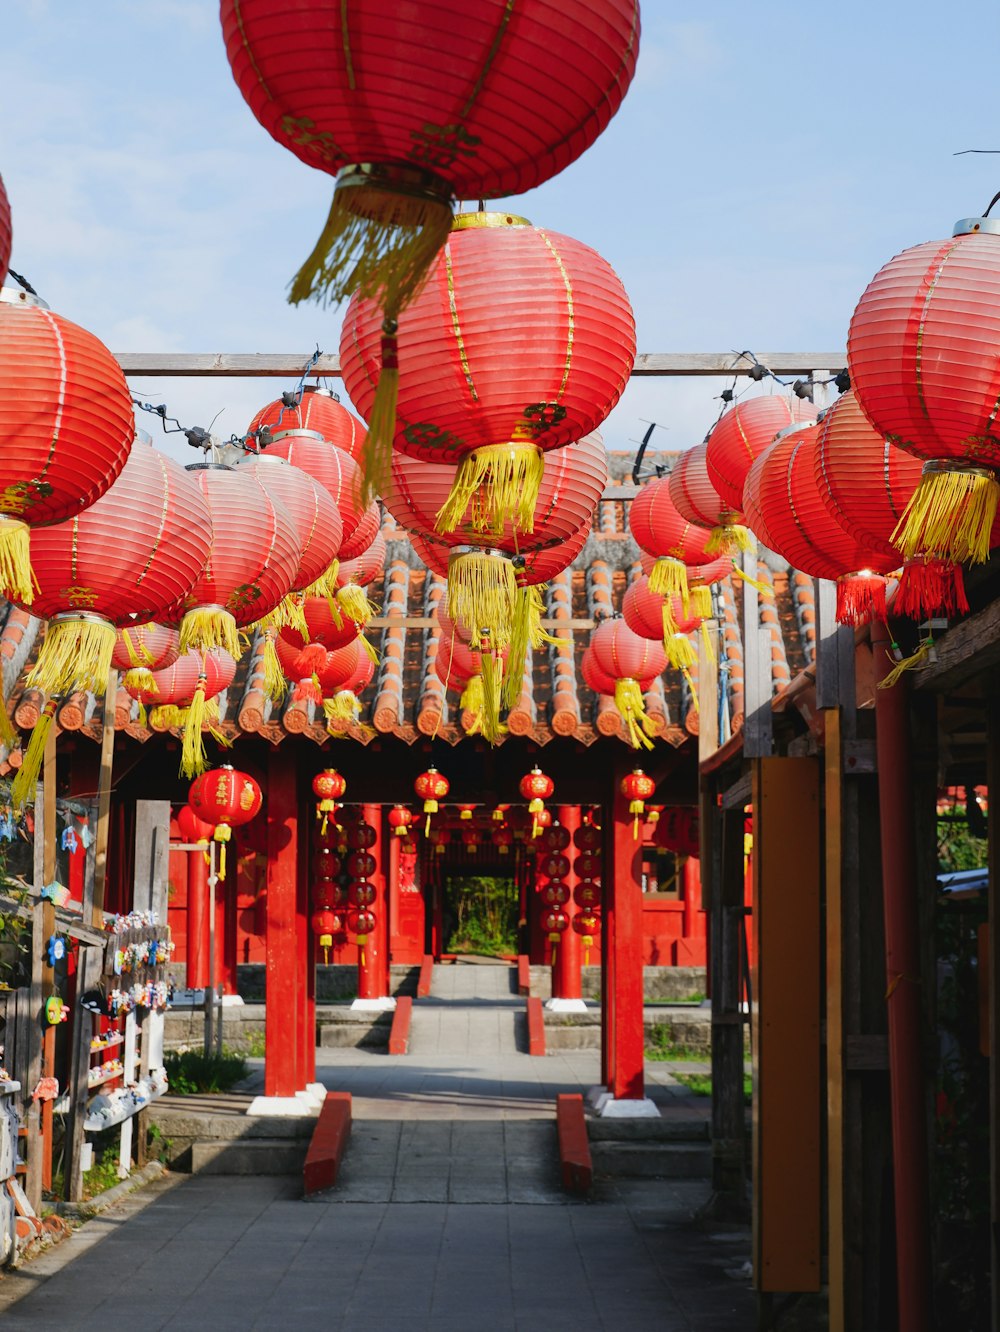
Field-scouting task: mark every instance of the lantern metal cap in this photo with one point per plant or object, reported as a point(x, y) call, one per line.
point(470, 221)
point(321, 391)
point(298, 431)
point(270, 458)
point(15, 296)
point(969, 226)
point(208, 467)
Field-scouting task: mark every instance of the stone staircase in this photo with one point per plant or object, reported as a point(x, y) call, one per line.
point(668, 1148)
point(212, 1135)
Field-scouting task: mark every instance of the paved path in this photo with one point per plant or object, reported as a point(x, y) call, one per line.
point(448, 1215)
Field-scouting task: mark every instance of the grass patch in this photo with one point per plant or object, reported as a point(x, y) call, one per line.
point(254, 1043)
point(701, 1084)
point(661, 1047)
point(191, 1072)
point(101, 1176)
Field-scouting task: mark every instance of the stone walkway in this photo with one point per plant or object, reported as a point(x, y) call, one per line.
point(448, 1214)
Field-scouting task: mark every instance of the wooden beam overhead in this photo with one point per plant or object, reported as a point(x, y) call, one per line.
point(965, 651)
point(282, 365)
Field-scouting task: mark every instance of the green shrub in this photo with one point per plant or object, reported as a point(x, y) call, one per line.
point(191, 1072)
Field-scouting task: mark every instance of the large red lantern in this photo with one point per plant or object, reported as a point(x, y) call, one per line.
point(697, 500)
point(922, 355)
point(317, 519)
point(184, 695)
point(544, 333)
point(651, 615)
point(142, 648)
point(328, 787)
point(637, 788)
point(431, 787)
point(451, 109)
point(782, 489)
point(742, 433)
point(630, 661)
point(253, 562)
point(675, 543)
point(319, 410)
point(5, 232)
point(226, 799)
point(338, 473)
point(68, 423)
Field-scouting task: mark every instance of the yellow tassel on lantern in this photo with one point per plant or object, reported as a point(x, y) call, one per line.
point(22, 789)
point(345, 706)
point(16, 579)
point(140, 680)
point(207, 627)
point(950, 514)
point(500, 482)
point(275, 684)
point(635, 808)
point(223, 833)
point(376, 452)
point(138, 653)
point(8, 736)
point(353, 602)
point(629, 702)
point(668, 578)
point(728, 537)
point(326, 584)
point(482, 591)
point(918, 659)
point(706, 638)
point(763, 589)
point(701, 601)
point(76, 654)
point(686, 672)
point(526, 631)
point(194, 760)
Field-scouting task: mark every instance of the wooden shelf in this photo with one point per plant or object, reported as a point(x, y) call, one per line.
point(103, 1076)
point(118, 1039)
point(91, 1125)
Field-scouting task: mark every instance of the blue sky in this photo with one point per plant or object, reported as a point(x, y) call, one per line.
point(767, 160)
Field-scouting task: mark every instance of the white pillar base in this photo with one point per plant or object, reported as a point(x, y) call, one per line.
point(299, 1106)
point(385, 1004)
point(565, 1006)
point(605, 1106)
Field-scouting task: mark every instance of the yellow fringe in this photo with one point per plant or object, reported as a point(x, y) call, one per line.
point(166, 717)
point(763, 590)
point(22, 791)
point(76, 654)
point(686, 672)
point(326, 584)
point(493, 681)
point(669, 579)
point(208, 627)
point(369, 649)
point(501, 483)
point(629, 702)
point(680, 652)
point(728, 538)
point(16, 579)
point(701, 601)
point(138, 653)
point(706, 638)
point(482, 592)
point(353, 602)
point(140, 679)
point(950, 516)
point(275, 684)
point(376, 452)
point(8, 736)
point(472, 696)
point(344, 706)
point(193, 758)
point(524, 628)
point(918, 659)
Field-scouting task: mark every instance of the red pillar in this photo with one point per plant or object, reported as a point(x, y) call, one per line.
point(623, 990)
point(305, 960)
point(392, 890)
point(694, 922)
point(197, 941)
point(284, 964)
point(373, 974)
point(566, 972)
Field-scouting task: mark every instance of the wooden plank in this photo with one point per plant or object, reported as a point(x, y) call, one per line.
point(787, 1167)
point(726, 925)
point(835, 1080)
point(965, 651)
point(708, 692)
point(48, 930)
point(33, 1118)
point(104, 796)
point(283, 365)
point(758, 739)
point(834, 651)
point(329, 1143)
point(739, 794)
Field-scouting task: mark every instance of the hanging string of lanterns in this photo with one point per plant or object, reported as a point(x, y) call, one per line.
point(328, 787)
point(360, 865)
point(637, 788)
point(431, 787)
point(326, 895)
point(225, 798)
point(536, 788)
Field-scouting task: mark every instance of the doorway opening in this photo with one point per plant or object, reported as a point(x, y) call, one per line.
point(480, 915)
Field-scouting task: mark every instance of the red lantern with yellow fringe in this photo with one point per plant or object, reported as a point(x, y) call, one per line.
point(555, 923)
point(354, 575)
point(536, 788)
point(587, 924)
point(338, 473)
point(630, 661)
point(318, 524)
point(922, 355)
point(742, 433)
point(183, 696)
point(68, 423)
point(697, 500)
point(503, 840)
point(431, 787)
point(361, 923)
point(318, 410)
point(434, 124)
point(401, 819)
point(675, 544)
point(227, 799)
point(677, 830)
point(143, 648)
point(651, 615)
point(543, 330)
point(328, 787)
point(637, 788)
point(5, 232)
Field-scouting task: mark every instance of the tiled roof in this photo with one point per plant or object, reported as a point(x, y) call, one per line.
point(406, 698)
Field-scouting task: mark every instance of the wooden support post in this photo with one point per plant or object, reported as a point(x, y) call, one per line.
point(725, 857)
point(150, 893)
point(624, 994)
point(787, 1167)
point(48, 929)
point(282, 982)
point(993, 780)
point(197, 909)
point(104, 798)
point(566, 972)
point(33, 1114)
point(607, 949)
point(835, 1046)
point(90, 965)
point(373, 973)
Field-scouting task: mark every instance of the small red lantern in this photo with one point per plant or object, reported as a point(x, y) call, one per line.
point(588, 838)
point(325, 924)
point(678, 830)
point(472, 839)
point(503, 840)
point(536, 788)
point(360, 893)
point(361, 835)
point(328, 787)
point(554, 865)
point(193, 829)
point(586, 924)
point(556, 838)
point(361, 922)
point(555, 922)
point(431, 787)
point(408, 846)
point(439, 839)
point(588, 865)
point(227, 799)
point(555, 894)
point(637, 789)
point(325, 894)
point(465, 812)
point(519, 821)
point(741, 435)
point(360, 864)
point(628, 661)
point(401, 818)
point(587, 896)
point(326, 863)
point(543, 820)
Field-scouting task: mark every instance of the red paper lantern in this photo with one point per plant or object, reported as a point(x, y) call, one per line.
point(632, 663)
point(361, 921)
point(536, 788)
point(226, 799)
point(328, 787)
point(431, 787)
point(543, 331)
point(637, 788)
point(325, 923)
point(742, 433)
point(588, 838)
point(326, 862)
point(317, 520)
point(253, 562)
point(325, 894)
point(520, 822)
point(555, 894)
point(555, 922)
point(326, 670)
point(587, 896)
point(922, 355)
point(677, 830)
point(68, 422)
point(803, 529)
point(318, 410)
point(554, 865)
point(439, 839)
point(452, 108)
point(5, 232)
point(360, 864)
point(675, 543)
point(361, 835)
point(400, 819)
point(588, 865)
point(503, 840)
point(698, 501)
point(174, 686)
point(866, 483)
point(142, 648)
point(662, 619)
point(354, 575)
point(326, 627)
point(191, 828)
point(360, 893)
point(587, 924)
point(339, 474)
point(556, 838)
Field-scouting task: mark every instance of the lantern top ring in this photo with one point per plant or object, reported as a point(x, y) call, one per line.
point(962, 465)
point(480, 550)
point(968, 226)
point(79, 617)
point(15, 296)
point(269, 458)
point(299, 432)
point(394, 178)
point(466, 221)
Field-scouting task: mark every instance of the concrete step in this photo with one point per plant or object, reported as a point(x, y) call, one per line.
point(249, 1156)
point(673, 1129)
point(652, 1160)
